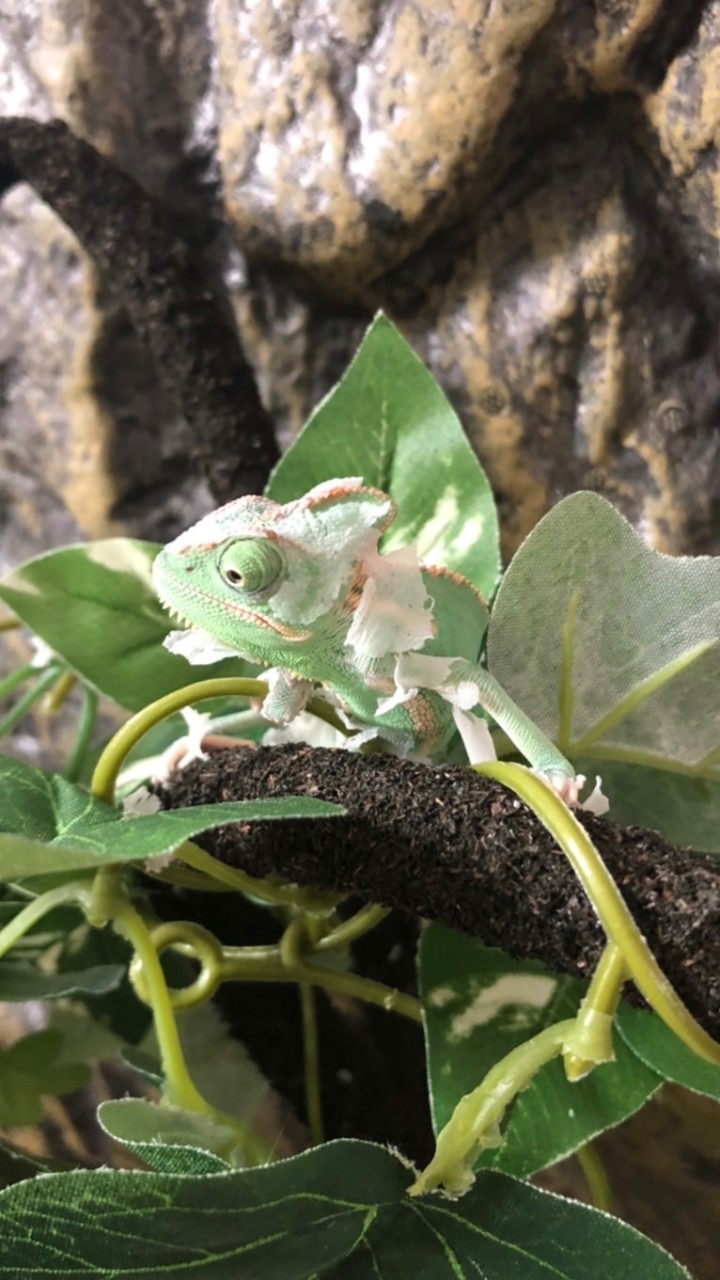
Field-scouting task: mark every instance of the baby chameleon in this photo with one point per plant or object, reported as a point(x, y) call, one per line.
point(301, 589)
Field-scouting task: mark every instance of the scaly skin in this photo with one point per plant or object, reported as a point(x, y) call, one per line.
point(301, 589)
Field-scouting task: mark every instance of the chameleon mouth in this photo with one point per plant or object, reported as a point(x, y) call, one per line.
point(277, 628)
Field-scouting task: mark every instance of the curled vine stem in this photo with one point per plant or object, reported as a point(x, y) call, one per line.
point(638, 960)
point(181, 1090)
point(197, 944)
point(111, 761)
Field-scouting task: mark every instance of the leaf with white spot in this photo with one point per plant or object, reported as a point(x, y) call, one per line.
point(388, 421)
point(340, 1211)
point(478, 1005)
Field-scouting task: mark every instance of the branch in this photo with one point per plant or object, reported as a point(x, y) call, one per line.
point(148, 266)
point(448, 845)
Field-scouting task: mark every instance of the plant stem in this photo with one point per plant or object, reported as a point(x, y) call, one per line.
point(251, 964)
point(111, 760)
point(59, 692)
point(590, 1042)
point(565, 697)
point(181, 1089)
point(608, 903)
point(15, 678)
point(15, 929)
point(474, 1124)
point(10, 624)
point(639, 694)
point(596, 1177)
point(198, 944)
point(311, 1057)
point(83, 733)
point(31, 695)
point(275, 895)
point(354, 927)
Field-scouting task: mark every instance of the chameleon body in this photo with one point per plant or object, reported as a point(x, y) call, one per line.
point(301, 588)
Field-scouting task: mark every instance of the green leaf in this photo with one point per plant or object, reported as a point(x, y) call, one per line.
point(27, 982)
point(45, 806)
point(29, 1071)
point(95, 607)
point(388, 421)
point(51, 825)
point(119, 1009)
point(339, 1211)
point(478, 1005)
point(609, 646)
point(168, 1139)
point(219, 1063)
point(18, 1166)
point(657, 1046)
point(684, 808)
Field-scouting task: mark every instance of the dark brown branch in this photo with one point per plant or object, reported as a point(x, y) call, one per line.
point(448, 845)
point(148, 267)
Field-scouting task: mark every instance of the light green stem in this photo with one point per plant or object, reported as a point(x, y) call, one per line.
point(590, 1041)
point(475, 1122)
point(566, 697)
point(607, 902)
point(354, 927)
point(252, 964)
point(83, 734)
point(28, 699)
point(198, 944)
point(595, 1175)
point(181, 1090)
point(16, 678)
point(640, 694)
point(77, 891)
point(274, 894)
point(311, 1063)
point(57, 695)
point(111, 760)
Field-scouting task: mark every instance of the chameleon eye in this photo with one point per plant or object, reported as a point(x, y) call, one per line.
point(253, 566)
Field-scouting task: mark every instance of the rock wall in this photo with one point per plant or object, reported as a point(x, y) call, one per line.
point(530, 190)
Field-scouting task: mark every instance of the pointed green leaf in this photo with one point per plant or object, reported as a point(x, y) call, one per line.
point(389, 422)
point(27, 982)
point(51, 825)
point(657, 1046)
point(478, 1005)
point(610, 647)
point(18, 1166)
point(339, 1211)
point(168, 1139)
point(595, 630)
point(45, 806)
point(29, 1071)
point(95, 606)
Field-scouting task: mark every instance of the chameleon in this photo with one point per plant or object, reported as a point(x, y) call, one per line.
point(302, 589)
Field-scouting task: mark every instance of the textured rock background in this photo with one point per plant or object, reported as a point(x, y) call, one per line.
point(531, 190)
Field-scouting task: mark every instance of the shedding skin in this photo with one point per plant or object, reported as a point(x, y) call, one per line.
point(302, 590)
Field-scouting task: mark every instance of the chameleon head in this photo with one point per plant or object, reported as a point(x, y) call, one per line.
point(258, 575)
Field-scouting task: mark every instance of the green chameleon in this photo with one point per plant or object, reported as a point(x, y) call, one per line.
point(302, 589)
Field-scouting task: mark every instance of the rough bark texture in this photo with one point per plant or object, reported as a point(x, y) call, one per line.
point(445, 844)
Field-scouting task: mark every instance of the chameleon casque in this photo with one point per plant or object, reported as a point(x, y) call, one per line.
point(302, 589)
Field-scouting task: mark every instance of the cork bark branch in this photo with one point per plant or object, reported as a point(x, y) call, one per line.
point(148, 265)
point(450, 846)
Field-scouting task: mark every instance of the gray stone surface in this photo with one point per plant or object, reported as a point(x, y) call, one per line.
point(530, 190)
